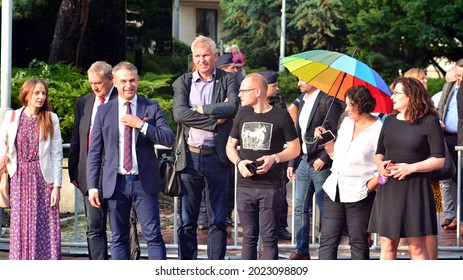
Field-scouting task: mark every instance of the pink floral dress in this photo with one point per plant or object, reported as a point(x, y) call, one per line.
point(34, 225)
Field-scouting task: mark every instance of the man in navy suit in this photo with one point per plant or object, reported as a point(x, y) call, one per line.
point(125, 131)
point(100, 78)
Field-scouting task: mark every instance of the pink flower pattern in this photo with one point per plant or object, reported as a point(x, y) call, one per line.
point(34, 225)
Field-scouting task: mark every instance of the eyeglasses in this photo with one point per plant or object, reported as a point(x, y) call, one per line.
point(395, 93)
point(244, 91)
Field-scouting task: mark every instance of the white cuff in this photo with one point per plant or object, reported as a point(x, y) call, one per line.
point(90, 191)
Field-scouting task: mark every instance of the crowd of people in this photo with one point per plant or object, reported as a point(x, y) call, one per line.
point(372, 176)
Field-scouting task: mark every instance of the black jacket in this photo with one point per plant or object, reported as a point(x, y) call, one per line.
point(225, 87)
point(316, 118)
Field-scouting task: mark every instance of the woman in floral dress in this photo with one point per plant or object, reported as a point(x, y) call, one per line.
point(34, 149)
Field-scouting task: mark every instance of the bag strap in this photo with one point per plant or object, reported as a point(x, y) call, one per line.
point(11, 120)
point(180, 139)
point(6, 149)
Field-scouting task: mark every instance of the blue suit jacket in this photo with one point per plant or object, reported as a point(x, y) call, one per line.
point(105, 140)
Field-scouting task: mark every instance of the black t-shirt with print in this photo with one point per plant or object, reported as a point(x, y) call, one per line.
point(262, 134)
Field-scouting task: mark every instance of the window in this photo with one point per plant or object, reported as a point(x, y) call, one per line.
point(206, 23)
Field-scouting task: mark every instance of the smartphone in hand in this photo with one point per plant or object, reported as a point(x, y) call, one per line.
point(252, 167)
point(327, 136)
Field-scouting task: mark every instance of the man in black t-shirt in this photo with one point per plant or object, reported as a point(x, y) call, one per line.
point(261, 131)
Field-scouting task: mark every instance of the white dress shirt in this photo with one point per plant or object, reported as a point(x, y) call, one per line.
point(304, 116)
point(122, 112)
point(96, 103)
point(353, 162)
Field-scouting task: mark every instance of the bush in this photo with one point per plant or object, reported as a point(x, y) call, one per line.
point(176, 64)
point(287, 84)
point(67, 83)
point(435, 85)
point(289, 89)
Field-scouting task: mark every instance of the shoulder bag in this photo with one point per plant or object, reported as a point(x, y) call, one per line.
point(5, 178)
point(445, 172)
point(168, 166)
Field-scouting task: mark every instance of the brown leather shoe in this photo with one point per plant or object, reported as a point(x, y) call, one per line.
point(451, 226)
point(297, 256)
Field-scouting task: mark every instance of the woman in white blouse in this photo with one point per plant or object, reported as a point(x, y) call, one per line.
point(350, 187)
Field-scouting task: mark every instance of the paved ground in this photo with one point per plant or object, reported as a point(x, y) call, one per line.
point(447, 243)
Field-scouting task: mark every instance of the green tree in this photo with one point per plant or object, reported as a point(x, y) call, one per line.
point(24, 8)
point(255, 27)
point(393, 35)
point(388, 35)
point(319, 23)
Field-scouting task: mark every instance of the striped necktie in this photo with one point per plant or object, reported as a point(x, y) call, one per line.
point(128, 142)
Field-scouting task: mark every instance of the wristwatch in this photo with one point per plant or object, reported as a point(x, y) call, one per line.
point(141, 126)
point(277, 158)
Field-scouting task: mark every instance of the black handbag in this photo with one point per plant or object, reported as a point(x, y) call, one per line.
point(169, 167)
point(170, 178)
point(447, 171)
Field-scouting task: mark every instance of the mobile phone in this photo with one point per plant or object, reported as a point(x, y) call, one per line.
point(327, 136)
point(252, 167)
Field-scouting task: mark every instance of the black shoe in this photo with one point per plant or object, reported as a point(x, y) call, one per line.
point(446, 222)
point(230, 222)
point(284, 234)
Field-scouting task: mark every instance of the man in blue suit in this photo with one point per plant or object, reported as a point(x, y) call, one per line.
point(125, 131)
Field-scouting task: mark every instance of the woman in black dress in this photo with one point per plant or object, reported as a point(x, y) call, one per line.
point(412, 139)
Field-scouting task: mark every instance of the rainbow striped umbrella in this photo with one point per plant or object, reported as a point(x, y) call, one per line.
point(334, 73)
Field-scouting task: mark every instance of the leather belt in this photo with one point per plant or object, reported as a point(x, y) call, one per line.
point(129, 177)
point(202, 151)
point(450, 134)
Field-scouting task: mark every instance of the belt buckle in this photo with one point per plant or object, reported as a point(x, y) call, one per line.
point(131, 177)
point(205, 150)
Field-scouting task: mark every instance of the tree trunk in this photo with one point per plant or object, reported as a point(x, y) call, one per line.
point(69, 29)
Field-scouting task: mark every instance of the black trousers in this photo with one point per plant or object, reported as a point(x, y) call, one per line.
point(259, 210)
point(355, 216)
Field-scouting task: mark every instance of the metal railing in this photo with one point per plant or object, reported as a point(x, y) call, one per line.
point(236, 246)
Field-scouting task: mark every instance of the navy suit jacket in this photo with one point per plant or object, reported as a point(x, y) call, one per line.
point(105, 141)
point(78, 149)
point(316, 118)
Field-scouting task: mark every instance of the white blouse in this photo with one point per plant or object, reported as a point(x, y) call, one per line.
point(353, 162)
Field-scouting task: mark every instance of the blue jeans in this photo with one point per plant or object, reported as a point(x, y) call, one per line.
point(305, 177)
point(209, 173)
